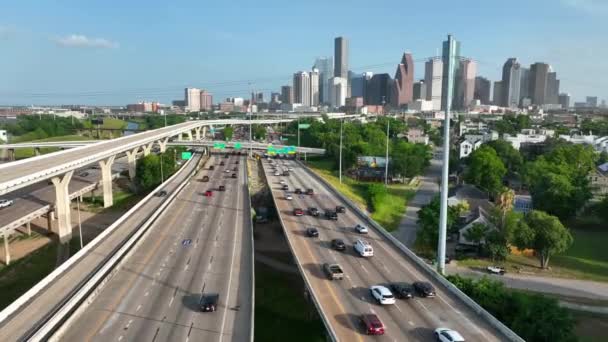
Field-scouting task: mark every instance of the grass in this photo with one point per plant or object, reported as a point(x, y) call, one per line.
point(22, 153)
point(281, 311)
point(388, 212)
point(590, 327)
point(586, 259)
point(122, 200)
point(108, 123)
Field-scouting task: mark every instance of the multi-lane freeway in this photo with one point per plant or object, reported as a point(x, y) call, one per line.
point(199, 245)
point(342, 301)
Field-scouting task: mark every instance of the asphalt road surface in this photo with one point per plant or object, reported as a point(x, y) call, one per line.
point(200, 244)
point(344, 300)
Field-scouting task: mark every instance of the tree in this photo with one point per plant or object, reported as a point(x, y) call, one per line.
point(543, 233)
point(477, 234)
point(603, 158)
point(409, 159)
point(497, 245)
point(228, 132)
point(510, 157)
point(428, 220)
point(485, 169)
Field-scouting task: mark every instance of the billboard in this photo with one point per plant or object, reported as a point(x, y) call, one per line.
point(370, 161)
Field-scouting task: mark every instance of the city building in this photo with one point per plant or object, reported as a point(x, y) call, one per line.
point(379, 89)
point(552, 96)
point(539, 73)
point(314, 87)
point(419, 92)
point(143, 107)
point(420, 106)
point(466, 87)
point(192, 99)
point(564, 100)
point(524, 86)
point(598, 182)
point(353, 104)
point(301, 88)
point(433, 75)
point(591, 101)
point(275, 97)
point(528, 136)
point(286, 94)
point(417, 136)
point(451, 68)
point(358, 84)
point(468, 146)
point(257, 97)
point(403, 87)
point(482, 90)
point(511, 83)
point(325, 65)
point(206, 101)
point(497, 93)
point(226, 107)
point(338, 88)
point(341, 57)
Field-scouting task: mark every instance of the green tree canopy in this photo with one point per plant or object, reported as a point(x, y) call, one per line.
point(510, 157)
point(485, 169)
point(228, 132)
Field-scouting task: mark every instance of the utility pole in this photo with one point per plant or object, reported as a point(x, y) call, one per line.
point(388, 124)
point(298, 137)
point(340, 163)
point(79, 221)
point(162, 178)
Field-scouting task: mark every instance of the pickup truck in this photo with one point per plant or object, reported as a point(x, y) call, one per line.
point(333, 271)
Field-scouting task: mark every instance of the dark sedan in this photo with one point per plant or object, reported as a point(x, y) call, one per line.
point(338, 244)
point(402, 290)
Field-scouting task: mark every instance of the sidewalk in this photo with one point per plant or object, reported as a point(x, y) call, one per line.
point(428, 188)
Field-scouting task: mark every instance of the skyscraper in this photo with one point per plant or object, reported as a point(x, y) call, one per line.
point(325, 65)
point(451, 66)
point(357, 85)
point(591, 101)
point(433, 75)
point(301, 88)
point(337, 91)
point(511, 83)
point(341, 57)
point(466, 83)
point(524, 89)
point(419, 91)
point(538, 82)
point(192, 99)
point(552, 88)
point(564, 100)
point(379, 89)
point(482, 90)
point(206, 100)
point(497, 96)
point(314, 87)
point(403, 87)
point(287, 94)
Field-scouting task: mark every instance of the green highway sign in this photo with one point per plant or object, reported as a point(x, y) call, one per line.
point(304, 126)
point(186, 155)
point(238, 146)
point(219, 145)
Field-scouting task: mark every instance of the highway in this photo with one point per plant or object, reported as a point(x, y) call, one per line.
point(200, 244)
point(343, 301)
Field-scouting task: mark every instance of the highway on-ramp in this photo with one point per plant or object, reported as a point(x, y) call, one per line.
point(200, 244)
point(342, 301)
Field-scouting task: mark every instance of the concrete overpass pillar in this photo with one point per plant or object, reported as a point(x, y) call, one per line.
point(106, 179)
point(190, 138)
point(28, 227)
point(131, 162)
point(197, 131)
point(204, 132)
point(62, 206)
point(50, 217)
point(37, 151)
point(147, 148)
point(163, 144)
point(7, 252)
point(11, 154)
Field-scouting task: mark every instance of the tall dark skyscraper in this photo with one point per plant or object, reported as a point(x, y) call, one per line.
point(482, 90)
point(378, 89)
point(419, 90)
point(539, 73)
point(341, 57)
point(404, 82)
point(524, 89)
point(451, 66)
point(287, 94)
point(511, 83)
point(552, 96)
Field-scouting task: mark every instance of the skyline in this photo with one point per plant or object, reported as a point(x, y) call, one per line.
point(87, 61)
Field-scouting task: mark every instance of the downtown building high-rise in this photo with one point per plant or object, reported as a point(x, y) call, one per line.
point(325, 65)
point(379, 89)
point(301, 88)
point(314, 87)
point(482, 90)
point(539, 76)
point(564, 100)
point(338, 91)
point(341, 57)
point(192, 99)
point(525, 95)
point(466, 83)
point(511, 83)
point(403, 87)
point(552, 96)
point(451, 69)
point(433, 78)
point(419, 92)
point(497, 93)
point(206, 103)
point(287, 94)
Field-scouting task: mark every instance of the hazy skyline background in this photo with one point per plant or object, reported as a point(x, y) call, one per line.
point(115, 52)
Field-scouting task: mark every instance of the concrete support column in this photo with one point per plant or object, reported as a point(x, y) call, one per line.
point(106, 180)
point(190, 138)
point(50, 217)
point(147, 148)
point(37, 151)
point(11, 154)
point(7, 252)
point(62, 206)
point(163, 144)
point(131, 162)
point(204, 132)
point(197, 131)
point(28, 227)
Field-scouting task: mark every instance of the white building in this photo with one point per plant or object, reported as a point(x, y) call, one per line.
point(314, 87)
point(417, 136)
point(470, 126)
point(528, 136)
point(420, 106)
point(433, 74)
point(467, 147)
point(192, 99)
point(338, 87)
point(301, 88)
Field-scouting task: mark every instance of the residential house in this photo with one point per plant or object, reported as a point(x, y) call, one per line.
point(470, 194)
point(528, 136)
point(417, 136)
point(598, 182)
point(479, 216)
point(522, 203)
point(467, 147)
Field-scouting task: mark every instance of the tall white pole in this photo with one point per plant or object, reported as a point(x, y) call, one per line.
point(340, 163)
point(298, 137)
point(443, 212)
point(79, 222)
point(162, 178)
point(388, 124)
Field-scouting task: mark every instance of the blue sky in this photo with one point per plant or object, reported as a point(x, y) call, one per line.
point(118, 52)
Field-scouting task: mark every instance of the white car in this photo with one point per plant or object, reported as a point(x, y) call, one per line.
point(277, 173)
point(382, 295)
point(5, 203)
point(448, 335)
point(361, 229)
point(290, 169)
point(363, 248)
point(227, 171)
point(282, 182)
point(496, 270)
point(288, 197)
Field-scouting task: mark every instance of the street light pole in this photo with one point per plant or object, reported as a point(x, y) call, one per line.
point(340, 163)
point(162, 178)
point(298, 137)
point(79, 221)
point(388, 124)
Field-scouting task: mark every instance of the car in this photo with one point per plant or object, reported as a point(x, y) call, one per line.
point(448, 335)
point(222, 188)
point(205, 178)
point(285, 173)
point(208, 302)
point(161, 193)
point(310, 191)
point(402, 290)
point(236, 162)
point(5, 203)
point(277, 173)
point(288, 197)
point(338, 244)
point(424, 289)
point(331, 215)
point(496, 270)
point(233, 175)
point(298, 191)
point(227, 171)
point(312, 211)
point(382, 295)
point(226, 156)
point(333, 271)
point(298, 212)
point(211, 167)
point(363, 248)
point(340, 209)
point(361, 229)
point(282, 182)
point(221, 163)
point(372, 324)
point(83, 174)
point(290, 168)
point(208, 193)
point(312, 232)
point(285, 187)
point(235, 169)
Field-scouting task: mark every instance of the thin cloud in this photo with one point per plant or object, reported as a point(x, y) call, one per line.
point(82, 41)
point(589, 6)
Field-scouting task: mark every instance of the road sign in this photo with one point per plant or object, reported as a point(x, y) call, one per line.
point(219, 145)
point(304, 126)
point(291, 149)
point(238, 146)
point(186, 155)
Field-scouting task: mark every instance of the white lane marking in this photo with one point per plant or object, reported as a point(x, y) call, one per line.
point(364, 269)
point(129, 324)
point(398, 308)
point(411, 323)
point(186, 268)
point(138, 308)
point(171, 301)
point(120, 338)
point(147, 293)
